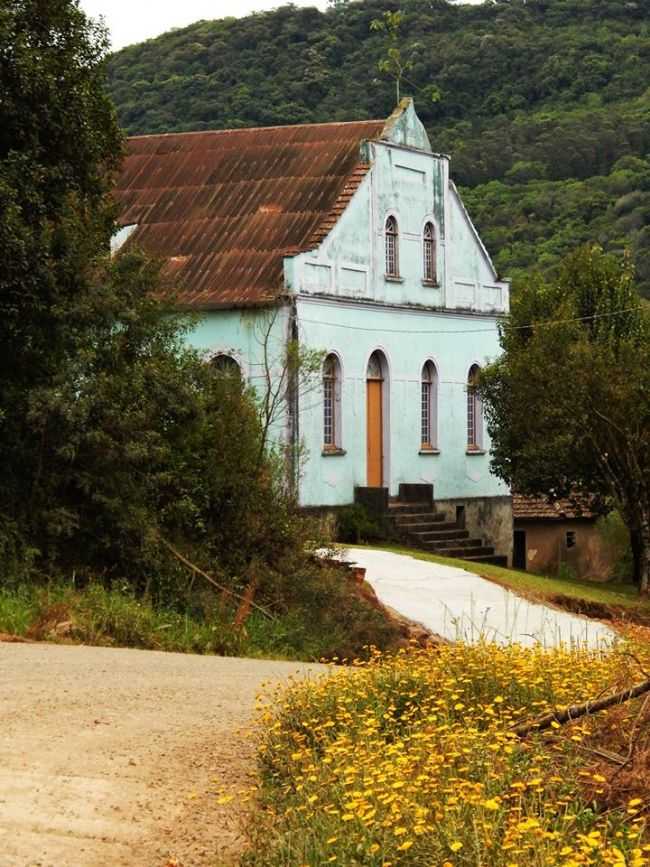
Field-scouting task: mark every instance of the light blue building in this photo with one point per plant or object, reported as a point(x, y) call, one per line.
point(352, 239)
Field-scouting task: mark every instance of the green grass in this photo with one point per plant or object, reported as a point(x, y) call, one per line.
point(540, 586)
point(323, 620)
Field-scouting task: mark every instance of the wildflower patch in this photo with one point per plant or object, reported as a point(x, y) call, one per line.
point(414, 759)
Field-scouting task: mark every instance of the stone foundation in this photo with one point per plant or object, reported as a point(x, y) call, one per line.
point(486, 517)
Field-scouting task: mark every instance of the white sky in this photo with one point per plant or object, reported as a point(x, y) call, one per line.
point(135, 20)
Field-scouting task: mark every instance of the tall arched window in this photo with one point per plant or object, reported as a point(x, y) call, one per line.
point(226, 366)
point(392, 247)
point(474, 411)
point(428, 408)
point(331, 403)
point(429, 253)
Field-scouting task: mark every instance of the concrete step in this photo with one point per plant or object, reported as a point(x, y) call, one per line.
point(418, 518)
point(426, 527)
point(466, 553)
point(408, 508)
point(436, 535)
point(446, 544)
point(423, 526)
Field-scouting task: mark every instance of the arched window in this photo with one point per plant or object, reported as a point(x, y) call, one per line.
point(392, 247)
point(226, 366)
point(331, 403)
point(429, 253)
point(428, 408)
point(474, 411)
point(375, 370)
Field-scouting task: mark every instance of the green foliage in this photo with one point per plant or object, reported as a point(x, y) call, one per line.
point(566, 572)
point(543, 105)
point(355, 524)
point(616, 538)
point(114, 435)
point(567, 403)
point(125, 455)
point(394, 63)
point(320, 617)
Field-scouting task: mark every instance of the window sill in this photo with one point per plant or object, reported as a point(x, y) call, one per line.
point(433, 284)
point(393, 278)
point(333, 452)
point(475, 451)
point(429, 451)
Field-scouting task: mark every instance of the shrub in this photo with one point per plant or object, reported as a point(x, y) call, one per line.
point(616, 538)
point(355, 525)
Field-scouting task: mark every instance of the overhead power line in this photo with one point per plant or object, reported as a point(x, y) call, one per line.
point(469, 330)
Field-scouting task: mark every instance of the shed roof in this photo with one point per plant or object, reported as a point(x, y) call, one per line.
point(526, 508)
point(223, 208)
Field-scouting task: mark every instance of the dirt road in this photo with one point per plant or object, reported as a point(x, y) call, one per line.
point(119, 757)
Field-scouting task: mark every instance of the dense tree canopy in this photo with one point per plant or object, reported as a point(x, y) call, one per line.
point(544, 104)
point(113, 433)
point(568, 402)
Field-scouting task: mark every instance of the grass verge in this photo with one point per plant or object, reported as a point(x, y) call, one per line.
point(606, 600)
point(411, 760)
point(323, 616)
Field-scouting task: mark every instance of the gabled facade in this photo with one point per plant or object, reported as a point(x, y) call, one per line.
point(352, 238)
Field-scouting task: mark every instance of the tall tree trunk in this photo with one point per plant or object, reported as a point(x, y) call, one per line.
point(644, 558)
point(635, 545)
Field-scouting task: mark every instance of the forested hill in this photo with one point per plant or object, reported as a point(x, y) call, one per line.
point(544, 108)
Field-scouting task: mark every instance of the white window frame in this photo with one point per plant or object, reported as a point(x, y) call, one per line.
point(474, 416)
point(430, 253)
point(391, 246)
point(332, 427)
point(429, 406)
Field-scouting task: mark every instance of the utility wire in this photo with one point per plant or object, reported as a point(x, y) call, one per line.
point(470, 330)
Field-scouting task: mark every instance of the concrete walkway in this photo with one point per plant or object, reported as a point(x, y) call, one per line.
point(459, 605)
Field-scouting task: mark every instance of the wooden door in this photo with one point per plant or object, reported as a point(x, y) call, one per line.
point(374, 433)
point(519, 550)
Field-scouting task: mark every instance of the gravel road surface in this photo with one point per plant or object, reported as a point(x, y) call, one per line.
point(119, 757)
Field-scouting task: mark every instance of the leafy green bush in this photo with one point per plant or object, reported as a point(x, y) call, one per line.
point(356, 525)
point(616, 538)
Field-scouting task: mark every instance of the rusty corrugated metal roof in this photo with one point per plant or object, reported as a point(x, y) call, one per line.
point(223, 208)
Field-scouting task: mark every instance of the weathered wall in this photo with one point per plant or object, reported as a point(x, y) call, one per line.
point(412, 184)
point(546, 548)
point(489, 518)
point(407, 337)
point(248, 336)
point(345, 304)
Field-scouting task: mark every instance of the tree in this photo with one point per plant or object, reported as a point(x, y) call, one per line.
point(290, 372)
point(568, 402)
point(394, 63)
point(113, 433)
point(59, 142)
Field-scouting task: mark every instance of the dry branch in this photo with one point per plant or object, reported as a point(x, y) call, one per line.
point(576, 711)
point(198, 571)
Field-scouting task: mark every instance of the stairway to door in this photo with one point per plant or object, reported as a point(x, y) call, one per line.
point(422, 526)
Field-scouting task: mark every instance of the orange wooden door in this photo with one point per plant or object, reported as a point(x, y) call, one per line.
point(374, 430)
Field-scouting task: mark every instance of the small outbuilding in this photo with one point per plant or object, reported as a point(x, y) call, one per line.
point(549, 535)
